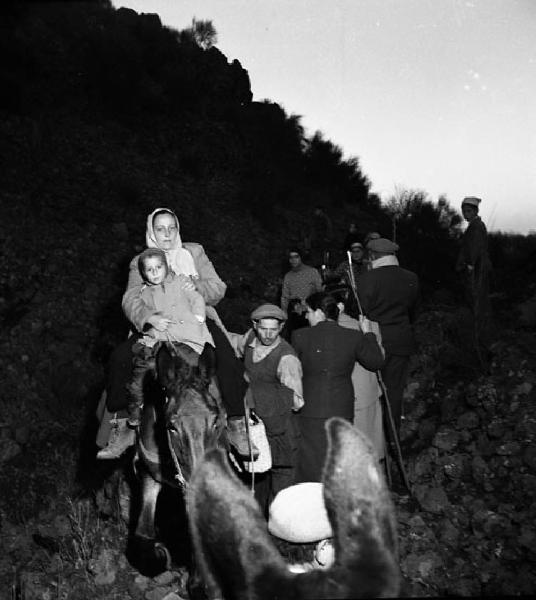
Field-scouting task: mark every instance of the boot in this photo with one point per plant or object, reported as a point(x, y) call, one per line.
point(238, 438)
point(120, 439)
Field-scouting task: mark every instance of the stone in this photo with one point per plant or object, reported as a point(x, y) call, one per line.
point(8, 450)
point(434, 500)
point(427, 429)
point(468, 420)
point(446, 439)
point(496, 429)
point(449, 534)
point(22, 434)
point(164, 578)
point(479, 468)
point(508, 449)
point(453, 466)
point(104, 568)
point(529, 457)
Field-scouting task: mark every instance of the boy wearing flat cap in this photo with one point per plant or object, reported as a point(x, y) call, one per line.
point(274, 374)
point(474, 266)
point(389, 295)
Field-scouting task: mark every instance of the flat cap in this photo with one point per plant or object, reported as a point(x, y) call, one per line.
point(472, 200)
point(382, 245)
point(268, 311)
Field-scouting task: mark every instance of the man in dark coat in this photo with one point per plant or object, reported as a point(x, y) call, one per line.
point(474, 267)
point(328, 353)
point(389, 295)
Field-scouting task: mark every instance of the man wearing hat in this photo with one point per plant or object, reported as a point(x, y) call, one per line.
point(389, 295)
point(357, 253)
point(274, 374)
point(474, 265)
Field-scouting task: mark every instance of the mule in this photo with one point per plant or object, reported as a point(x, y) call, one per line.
point(238, 559)
point(182, 418)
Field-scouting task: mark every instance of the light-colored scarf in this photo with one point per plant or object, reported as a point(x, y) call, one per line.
point(388, 260)
point(179, 260)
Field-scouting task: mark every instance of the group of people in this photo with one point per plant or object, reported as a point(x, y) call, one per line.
point(294, 377)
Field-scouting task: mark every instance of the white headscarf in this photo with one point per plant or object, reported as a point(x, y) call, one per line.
point(179, 260)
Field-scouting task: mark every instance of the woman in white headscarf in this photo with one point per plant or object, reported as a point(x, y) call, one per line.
point(195, 271)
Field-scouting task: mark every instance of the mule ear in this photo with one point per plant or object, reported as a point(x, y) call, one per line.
point(231, 543)
point(361, 512)
point(207, 362)
point(165, 365)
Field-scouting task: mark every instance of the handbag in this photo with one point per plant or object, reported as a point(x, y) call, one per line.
point(257, 434)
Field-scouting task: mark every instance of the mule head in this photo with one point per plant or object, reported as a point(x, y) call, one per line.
point(193, 414)
point(236, 554)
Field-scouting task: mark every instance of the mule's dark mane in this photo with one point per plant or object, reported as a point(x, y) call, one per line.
point(186, 370)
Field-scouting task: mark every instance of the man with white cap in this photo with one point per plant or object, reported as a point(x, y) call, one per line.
point(389, 295)
point(474, 265)
point(274, 373)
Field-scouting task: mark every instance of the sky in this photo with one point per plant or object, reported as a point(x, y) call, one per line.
point(432, 95)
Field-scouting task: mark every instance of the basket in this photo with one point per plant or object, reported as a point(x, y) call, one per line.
point(257, 434)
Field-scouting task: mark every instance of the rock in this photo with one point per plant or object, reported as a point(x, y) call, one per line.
point(427, 429)
point(164, 578)
point(421, 566)
point(508, 449)
point(528, 537)
point(22, 434)
point(527, 312)
point(104, 567)
point(8, 450)
point(449, 534)
point(523, 389)
point(158, 593)
point(485, 446)
point(529, 457)
point(411, 390)
point(453, 466)
point(416, 521)
point(496, 429)
point(479, 468)
point(446, 439)
point(464, 587)
point(432, 500)
point(468, 420)
point(423, 465)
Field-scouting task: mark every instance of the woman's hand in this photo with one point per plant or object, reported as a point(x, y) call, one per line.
point(365, 324)
point(297, 403)
point(186, 282)
point(159, 322)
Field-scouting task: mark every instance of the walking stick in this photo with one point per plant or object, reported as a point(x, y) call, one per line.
point(392, 434)
point(394, 441)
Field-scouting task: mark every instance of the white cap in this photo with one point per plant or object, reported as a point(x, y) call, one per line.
point(298, 514)
point(472, 200)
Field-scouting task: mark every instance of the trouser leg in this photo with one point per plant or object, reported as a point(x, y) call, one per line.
point(229, 371)
point(142, 361)
point(282, 478)
point(262, 491)
point(394, 375)
point(119, 374)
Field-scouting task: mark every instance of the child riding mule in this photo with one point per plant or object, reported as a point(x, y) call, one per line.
point(182, 418)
